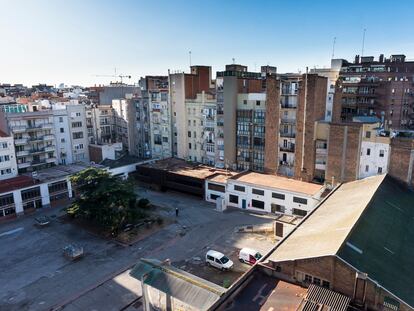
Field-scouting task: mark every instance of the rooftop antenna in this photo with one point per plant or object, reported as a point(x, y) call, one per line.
point(189, 54)
point(363, 42)
point(333, 48)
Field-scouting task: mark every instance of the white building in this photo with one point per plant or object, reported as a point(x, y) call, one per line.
point(8, 164)
point(266, 193)
point(71, 132)
point(375, 152)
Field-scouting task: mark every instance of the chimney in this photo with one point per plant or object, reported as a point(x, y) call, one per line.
point(356, 59)
point(381, 58)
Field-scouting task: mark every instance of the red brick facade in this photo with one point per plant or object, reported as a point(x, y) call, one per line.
point(272, 125)
point(401, 164)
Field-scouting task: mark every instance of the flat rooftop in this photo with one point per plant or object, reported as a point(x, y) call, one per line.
point(122, 161)
point(59, 171)
point(221, 177)
point(278, 182)
point(182, 167)
point(16, 183)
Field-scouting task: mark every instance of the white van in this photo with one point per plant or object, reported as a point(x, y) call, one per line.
point(249, 256)
point(218, 260)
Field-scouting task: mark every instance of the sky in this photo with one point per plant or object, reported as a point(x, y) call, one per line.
point(72, 42)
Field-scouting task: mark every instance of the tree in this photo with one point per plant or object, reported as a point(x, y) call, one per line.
point(103, 199)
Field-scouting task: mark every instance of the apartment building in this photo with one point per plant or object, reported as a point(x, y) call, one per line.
point(8, 165)
point(72, 134)
point(219, 135)
point(332, 75)
point(186, 91)
point(33, 135)
point(155, 93)
point(381, 88)
point(100, 121)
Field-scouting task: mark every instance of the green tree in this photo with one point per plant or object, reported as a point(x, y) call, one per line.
point(103, 199)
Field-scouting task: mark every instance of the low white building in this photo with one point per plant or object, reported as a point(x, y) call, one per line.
point(266, 193)
point(8, 165)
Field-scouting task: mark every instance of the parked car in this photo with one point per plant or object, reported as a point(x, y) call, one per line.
point(218, 260)
point(42, 221)
point(249, 256)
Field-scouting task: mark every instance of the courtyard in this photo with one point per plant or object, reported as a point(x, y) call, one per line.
point(34, 274)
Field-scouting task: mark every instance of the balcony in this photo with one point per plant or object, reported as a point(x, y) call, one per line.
point(50, 148)
point(289, 134)
point(18, 129)
point(288, 120)
point(35, 139)
point(290, 148)
point(51, 160)
point(22, 153)
point(49, 137)
point(20, 141)
point(23, 165)
point(47, 126)
point(38, 162)
point(320, 166)
point(288, 106)
point(37, 151)
point(321, 151)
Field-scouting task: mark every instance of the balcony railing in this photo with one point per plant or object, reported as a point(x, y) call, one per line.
point(48, 137)
point(18, 129)
point(290, 135)
point(288, 106)
point(288, 120)
point(287, 148)
point(20, 141)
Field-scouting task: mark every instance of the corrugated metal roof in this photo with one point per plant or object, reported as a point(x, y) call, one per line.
point(183, 286)
point(327, 297)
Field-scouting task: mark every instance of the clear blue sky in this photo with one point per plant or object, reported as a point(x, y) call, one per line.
point(71, 41)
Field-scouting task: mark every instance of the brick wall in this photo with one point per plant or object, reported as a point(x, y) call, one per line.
point(272, 125)
point(305, 127)
point(343, 152)
point(401, 164)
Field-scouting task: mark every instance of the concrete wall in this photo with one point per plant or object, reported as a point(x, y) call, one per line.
point(7, 151)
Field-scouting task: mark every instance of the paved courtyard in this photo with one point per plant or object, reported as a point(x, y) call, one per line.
point(34, 275)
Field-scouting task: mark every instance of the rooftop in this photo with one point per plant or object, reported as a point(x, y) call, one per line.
point(182, 167)
point(325, 229)
point(16, 183)
point(369, 224)
point(188, 288)
point(3, 134)
point(125, 160)
point(221, 177)
point(278, 182)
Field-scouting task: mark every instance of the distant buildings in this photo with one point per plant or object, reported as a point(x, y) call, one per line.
point(8, 165)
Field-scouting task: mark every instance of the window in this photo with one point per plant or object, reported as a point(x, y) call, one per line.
point(276, 208)
point(239, 188)
point(194, 123)
point(77, 135)
point(257, 102)
point(366, 168)
point(165, 139)
point(6, 200)
point(300, 200)
point(189, 122)
point(61, 119)
point(368, 151)
point(76, 124)
point(325, 284)
point(299, 212)
point(216, 187)
point(381, 154)
point(257, 191)
point(245, 102)
point(194, 134)
point(316, 281)
point(380, 170)
point(189, 145)
point(189, 134)
point(258, 204)
point(62, 130)
point(308, 278)
point(234, 199)
point(30, 193)
point(210, 257)
point(78, 114)
point(214, 196)
point(279, 196)
point(368, 134)
point(58, 186)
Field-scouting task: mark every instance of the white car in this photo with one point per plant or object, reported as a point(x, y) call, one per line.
point(249, 256)
point(218, 260)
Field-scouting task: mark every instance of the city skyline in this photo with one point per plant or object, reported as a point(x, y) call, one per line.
point(73, 43)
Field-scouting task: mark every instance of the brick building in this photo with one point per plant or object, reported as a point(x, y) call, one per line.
point(382, 88)
point(402, 159)
point(356, 242)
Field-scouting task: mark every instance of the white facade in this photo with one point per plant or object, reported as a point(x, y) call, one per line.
point(8, 165)
point(71, 133)
point(374, 158)
point(287, 203)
